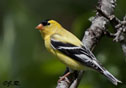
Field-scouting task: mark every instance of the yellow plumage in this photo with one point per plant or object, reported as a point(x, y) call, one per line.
point(59, 33)
point(69, 49)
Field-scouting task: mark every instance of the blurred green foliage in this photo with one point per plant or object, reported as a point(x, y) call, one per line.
point(23, 56)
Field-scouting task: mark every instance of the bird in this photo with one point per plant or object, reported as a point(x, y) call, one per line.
point(70, 50)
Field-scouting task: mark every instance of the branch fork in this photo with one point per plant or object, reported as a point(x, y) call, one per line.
point(104, 15)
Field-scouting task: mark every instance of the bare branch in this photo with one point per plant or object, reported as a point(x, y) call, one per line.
point(119, 26)
point(104, 15)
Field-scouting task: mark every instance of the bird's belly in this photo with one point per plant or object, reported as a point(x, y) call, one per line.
point(75, 65)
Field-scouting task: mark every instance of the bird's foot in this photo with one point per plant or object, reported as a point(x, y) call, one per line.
point(64, 77)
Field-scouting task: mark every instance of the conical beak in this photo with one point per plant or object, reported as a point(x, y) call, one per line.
point(39, 27)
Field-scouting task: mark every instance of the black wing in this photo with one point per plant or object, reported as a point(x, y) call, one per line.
point(78, 53)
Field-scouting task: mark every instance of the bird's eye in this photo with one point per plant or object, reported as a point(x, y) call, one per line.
point(45, 23)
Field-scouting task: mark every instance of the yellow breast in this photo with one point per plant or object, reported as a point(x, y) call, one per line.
point(48, 45)
point(63, 58)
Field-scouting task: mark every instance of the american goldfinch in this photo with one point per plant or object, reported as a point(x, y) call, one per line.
point(69, 49)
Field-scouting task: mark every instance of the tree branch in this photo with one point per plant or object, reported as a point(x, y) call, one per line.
point(104, 15)
point(119, 26)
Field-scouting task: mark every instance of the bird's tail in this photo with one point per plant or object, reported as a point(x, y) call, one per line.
point(111, 77)
point(102, 70)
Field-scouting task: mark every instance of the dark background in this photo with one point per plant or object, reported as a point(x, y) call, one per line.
point(23, 56)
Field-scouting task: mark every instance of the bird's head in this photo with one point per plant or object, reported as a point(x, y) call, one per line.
point(48, 26)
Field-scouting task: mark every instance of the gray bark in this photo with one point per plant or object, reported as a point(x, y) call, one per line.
point(104, 15)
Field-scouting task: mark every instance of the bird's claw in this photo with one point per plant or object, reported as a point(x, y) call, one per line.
point(64, 77)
